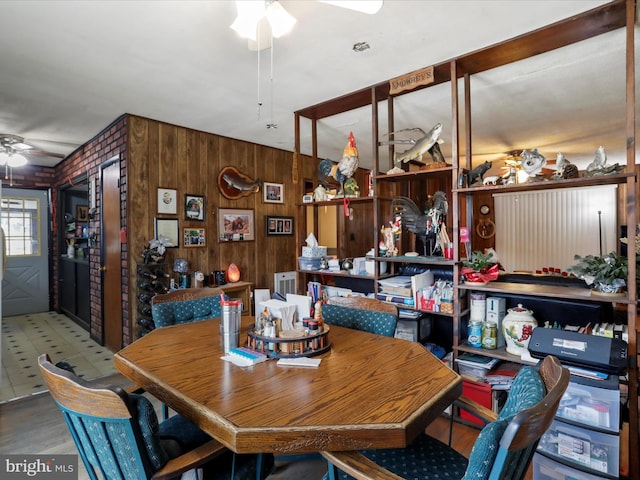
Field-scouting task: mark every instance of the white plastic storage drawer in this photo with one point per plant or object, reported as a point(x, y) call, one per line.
point(591, 406)
point(546, 469)
point(596, 451)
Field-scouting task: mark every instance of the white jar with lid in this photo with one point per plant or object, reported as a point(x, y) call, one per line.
point(517, 326)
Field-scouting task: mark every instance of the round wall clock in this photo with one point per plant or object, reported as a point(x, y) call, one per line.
point(484, 209)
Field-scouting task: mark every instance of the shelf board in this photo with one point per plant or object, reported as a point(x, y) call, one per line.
point(341, 273)
point(336, 201)
point(549, 184)
point(537, 290)
point(415, 173)
point(499, 353)
point(418, 259)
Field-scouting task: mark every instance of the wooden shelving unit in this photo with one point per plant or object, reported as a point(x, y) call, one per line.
point(605, 18)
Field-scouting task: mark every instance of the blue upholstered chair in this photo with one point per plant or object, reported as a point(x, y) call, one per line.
point(503, 450)
point(119, 438)
point(185, 306)
point(361, 313)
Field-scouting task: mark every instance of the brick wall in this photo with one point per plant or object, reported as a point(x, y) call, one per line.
point(87, 159)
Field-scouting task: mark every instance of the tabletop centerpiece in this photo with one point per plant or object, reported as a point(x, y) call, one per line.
point(607, 274)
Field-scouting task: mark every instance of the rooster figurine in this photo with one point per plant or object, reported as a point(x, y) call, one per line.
point(342, 170)
point(425, 225)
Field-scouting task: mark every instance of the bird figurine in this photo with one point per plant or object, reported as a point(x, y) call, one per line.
point(424, 225)
point(342, 170)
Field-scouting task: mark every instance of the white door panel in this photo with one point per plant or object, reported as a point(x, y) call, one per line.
point(25, 285)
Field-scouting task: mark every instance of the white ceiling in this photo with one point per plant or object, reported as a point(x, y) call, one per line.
point(69, 68)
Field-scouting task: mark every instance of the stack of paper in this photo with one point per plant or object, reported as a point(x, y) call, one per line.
point(396, 290)
point(474, 366)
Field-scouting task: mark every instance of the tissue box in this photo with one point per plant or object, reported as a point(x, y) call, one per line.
point(309, 263)
point(316, 251)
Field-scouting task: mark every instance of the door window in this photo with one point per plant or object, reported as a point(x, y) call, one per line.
point(19, 219)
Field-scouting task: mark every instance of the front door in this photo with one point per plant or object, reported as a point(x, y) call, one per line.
point(112, 277)
point(25, 285)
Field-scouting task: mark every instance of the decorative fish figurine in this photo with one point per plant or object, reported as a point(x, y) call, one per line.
point(234, 184)
point(427, 143)
point(240, 183)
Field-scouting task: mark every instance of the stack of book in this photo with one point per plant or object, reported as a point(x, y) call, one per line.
point(501, 377)
point(396, 290)
point(475, 367)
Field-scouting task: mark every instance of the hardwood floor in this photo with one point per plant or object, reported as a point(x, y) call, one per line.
point(34, 425)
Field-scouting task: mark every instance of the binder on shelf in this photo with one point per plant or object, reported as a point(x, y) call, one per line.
point(395, 299)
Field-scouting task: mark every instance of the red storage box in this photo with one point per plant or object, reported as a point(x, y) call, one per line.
point(478, 392)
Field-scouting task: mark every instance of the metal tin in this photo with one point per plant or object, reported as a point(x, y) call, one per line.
point(475, 334)
point(489, 335)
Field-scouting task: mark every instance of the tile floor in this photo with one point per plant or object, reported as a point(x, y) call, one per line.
point(25, 337)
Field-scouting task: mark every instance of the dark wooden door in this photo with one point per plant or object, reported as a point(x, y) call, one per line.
point(112, 277)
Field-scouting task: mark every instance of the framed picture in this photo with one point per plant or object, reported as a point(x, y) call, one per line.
point(273, 192)
point(279, 225)
point(193, 237)
point(235, 225)
point(167, 201)
point(168, 228)
point(194, 207)
point(82, 213)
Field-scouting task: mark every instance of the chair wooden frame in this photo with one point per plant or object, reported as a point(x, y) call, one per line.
point(76, 396)
point(186, 294)
point(364, 303)
point(517, 443)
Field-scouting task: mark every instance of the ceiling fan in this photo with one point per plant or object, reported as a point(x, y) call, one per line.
point(279, 21)
point(14, 152)
point(13, 149)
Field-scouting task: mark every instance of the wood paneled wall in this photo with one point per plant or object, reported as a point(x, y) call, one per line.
point(169, 156)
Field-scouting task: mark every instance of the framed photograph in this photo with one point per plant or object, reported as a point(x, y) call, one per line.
point(167, 201)
point(193, 237)
point(194, 207)
point(82, 213)
point(273, 192)
point(279, 225)
point(168, 228)
point(235, 225)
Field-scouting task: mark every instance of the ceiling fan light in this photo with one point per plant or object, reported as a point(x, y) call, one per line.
point(280, 21)
point(249, 14)
point(4, 158)
point(365, 6)
point(17, 160)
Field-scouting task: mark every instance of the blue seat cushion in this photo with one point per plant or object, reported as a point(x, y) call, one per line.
point(425, 459)
point(381, 323)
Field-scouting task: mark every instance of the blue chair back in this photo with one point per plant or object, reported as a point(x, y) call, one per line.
point(185, 306)
point(105, 424)
point(366, 314)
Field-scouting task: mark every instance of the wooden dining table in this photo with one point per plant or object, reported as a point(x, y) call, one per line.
point(368, 392)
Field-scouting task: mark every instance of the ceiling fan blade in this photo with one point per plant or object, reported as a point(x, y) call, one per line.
point(21, 147)
point(42, 153)
point(364, 6)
